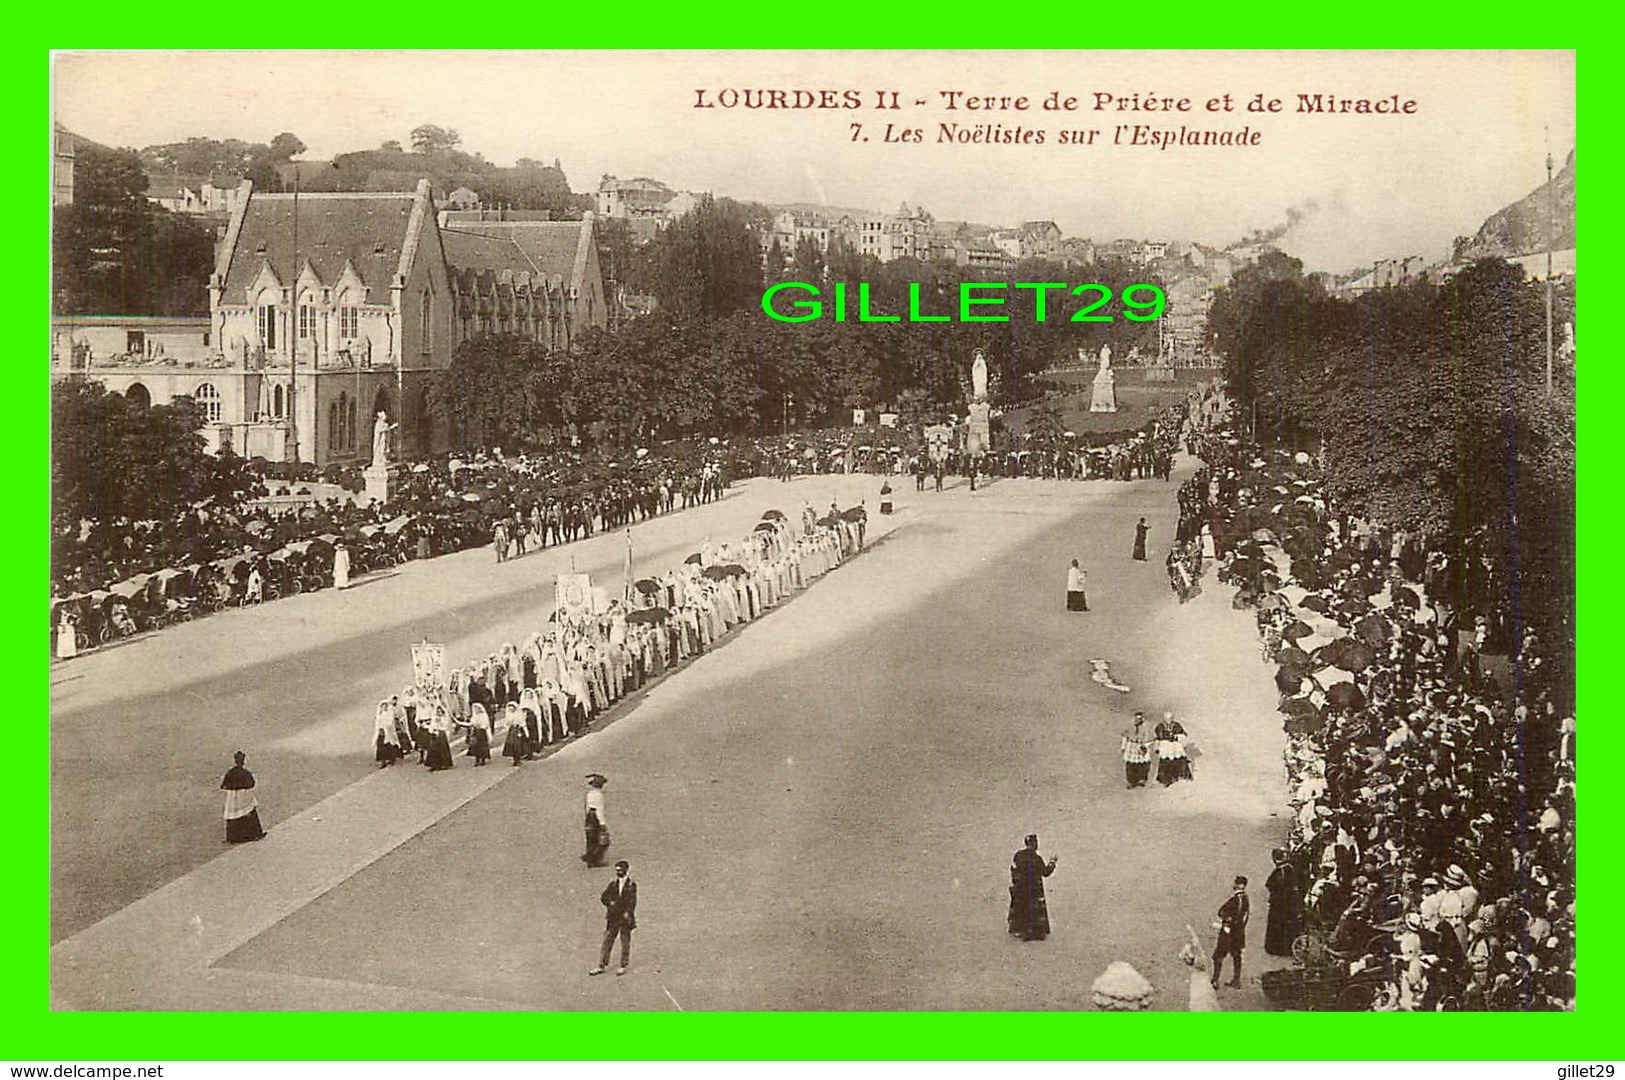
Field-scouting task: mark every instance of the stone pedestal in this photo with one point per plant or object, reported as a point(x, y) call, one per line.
point(978, 440)
point(1105, 395)
point(376, 478)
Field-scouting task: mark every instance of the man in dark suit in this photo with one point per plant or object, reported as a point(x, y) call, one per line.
point(620, 900)
point(1232, 932)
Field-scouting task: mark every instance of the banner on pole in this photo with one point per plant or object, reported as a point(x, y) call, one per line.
point(429, 666)
point(573, 596)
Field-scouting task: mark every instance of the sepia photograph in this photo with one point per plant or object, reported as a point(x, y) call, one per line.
point(812, 531)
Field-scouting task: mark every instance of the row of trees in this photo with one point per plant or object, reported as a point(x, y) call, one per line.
point(1431, 406)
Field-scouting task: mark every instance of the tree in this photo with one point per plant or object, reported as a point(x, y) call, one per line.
point(392, 146)
point(113, 461)
point(286, 146)
point(116, 253)
point(433, 139)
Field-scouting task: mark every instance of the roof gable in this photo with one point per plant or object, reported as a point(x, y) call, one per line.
point(366, 231)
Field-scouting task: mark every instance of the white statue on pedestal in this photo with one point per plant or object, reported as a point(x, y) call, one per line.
point(1104, 398)
point(978, 377)
point(381, 428)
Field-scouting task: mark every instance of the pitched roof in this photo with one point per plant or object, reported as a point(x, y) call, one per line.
point(552, 247)
point(364, 229)
point(473, 251)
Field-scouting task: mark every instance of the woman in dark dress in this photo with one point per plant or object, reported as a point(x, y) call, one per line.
point(1140, 531)
point(1282, 928)
point(439, 756)
point(1029, 913)
point(517, 744)
point(242, 809)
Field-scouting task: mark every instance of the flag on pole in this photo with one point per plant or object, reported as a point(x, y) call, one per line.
point(627, 592)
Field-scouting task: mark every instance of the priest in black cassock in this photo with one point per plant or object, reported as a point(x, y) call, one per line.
point(1029, 913)
point(242, 810)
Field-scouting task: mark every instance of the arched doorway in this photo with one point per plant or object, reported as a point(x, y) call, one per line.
point(276, 401)
point(139, 396)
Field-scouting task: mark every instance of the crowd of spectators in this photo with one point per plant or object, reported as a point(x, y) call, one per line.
point(1430, 763)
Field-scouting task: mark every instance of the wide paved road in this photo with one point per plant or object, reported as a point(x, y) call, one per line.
point(820, 814)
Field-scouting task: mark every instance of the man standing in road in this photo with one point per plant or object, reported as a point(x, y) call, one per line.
point(1232, 932)
point(1076, 599)
point(620, 900)
point(1137, 753)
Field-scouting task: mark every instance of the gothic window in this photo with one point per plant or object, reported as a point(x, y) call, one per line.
point(208, 399)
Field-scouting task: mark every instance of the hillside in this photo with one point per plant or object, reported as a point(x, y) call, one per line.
point(1520, 229)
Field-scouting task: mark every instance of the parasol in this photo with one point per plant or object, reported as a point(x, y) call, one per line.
point(1315, 602)
point(1296, 629)
point(648, 587)
point(857, 513)
point(773, 515)
point(714, 573)
point(1345, 696)
point(647, 615)
point(1290, 656)
point(1373, 630)
point(765, 526)
point(1350, 654)
point(694, 559)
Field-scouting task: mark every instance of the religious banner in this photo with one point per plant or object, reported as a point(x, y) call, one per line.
point(939, 439)
point(429, 666)
point(858, 417)
point(888, 419)
point(573, 596)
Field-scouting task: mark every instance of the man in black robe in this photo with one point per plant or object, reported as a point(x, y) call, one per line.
point(1282, 927)
point(242, 809)
point(1029, 914)
point(1140, 532)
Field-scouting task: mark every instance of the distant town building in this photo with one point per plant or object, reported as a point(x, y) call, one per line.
point(64, 154)
point(463, 199)
point(905, 234)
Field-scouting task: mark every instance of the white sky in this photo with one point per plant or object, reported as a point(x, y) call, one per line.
point(1385, 186)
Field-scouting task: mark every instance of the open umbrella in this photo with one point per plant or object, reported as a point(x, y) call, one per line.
point(829, 519)
point(1345, 696)
point(765, 526)
point(1307, 724)
point(1350, 654)
point(857, 513)
point(773, 515)
point(1373, 630)
point(715, 573)
point(735, 570)
point(1315, 602)
point(1298, 707)
point(647, 615)
point(694, 559)
point(1296, 629)
point(647, 586)
point(1289, 680)
point(1293, 657)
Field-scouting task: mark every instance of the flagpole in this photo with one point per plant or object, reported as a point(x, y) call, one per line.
point(627, 592)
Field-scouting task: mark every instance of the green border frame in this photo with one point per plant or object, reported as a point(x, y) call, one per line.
point(32, 1031)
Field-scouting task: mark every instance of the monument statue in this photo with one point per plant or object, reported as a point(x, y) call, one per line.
point(1104, 398)
point(380, 440)
point(978, 377)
